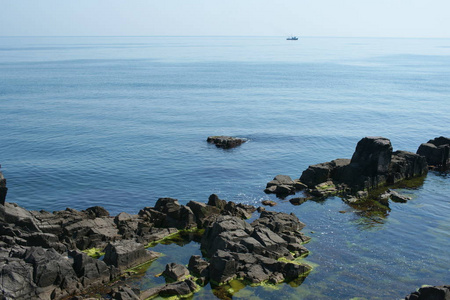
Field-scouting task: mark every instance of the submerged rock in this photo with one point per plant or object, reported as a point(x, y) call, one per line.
point(225, 142)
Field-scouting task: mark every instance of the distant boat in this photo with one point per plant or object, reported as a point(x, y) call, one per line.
point(292, 38)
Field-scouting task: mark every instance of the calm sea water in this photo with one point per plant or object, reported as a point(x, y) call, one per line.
point(122, 121)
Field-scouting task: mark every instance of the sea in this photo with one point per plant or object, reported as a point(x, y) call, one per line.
point(122, 121)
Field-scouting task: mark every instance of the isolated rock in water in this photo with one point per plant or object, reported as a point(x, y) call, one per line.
point(431, 293)
point(181, 288)
point(281, 185)
point(268, 203)
point(175, 272)
point(373, 165)
point(436, 152)
point(225, 142)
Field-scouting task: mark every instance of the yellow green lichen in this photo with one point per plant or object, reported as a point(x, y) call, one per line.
point(94, 252)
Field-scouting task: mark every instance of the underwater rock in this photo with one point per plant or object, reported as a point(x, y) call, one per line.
point(225, 142)
point(268, 203)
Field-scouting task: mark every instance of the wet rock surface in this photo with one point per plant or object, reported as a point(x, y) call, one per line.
point(225, 142)
point(41, 252)
point(431, 293)
point(373, 165)
point(252, 252)
point(436, 152)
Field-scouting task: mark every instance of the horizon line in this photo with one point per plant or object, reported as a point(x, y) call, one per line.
point(183, 36)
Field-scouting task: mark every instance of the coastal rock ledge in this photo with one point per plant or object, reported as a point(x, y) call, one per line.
point(373, 165)
point(44, 255)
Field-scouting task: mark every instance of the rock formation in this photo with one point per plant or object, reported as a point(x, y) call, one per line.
point(436, 152)
point(225, 142)
point(372, 165)
point(431, 293)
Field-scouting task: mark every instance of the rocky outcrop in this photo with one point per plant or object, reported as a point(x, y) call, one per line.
point(126, 254)
point(175, 272)
point(57, 267)
point(3, 189)
point(431, 293)
point(436, 152)
point(225, 142)
point(283, 185)
point(372, 165)
point(252, 252)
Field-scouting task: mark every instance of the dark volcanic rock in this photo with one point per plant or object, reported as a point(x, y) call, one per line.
point(225, 142)
point(3, 189)
point(373, 165)
point(436, 152)
point(91, 271)
point(372, 155)
point(431, 293)
point(281, 185)
point(181, 288)
point(126, 254)
point(238, 249)
point(176, 215)
point(175, 272)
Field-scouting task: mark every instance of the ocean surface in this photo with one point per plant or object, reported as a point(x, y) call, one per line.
point(122, 121)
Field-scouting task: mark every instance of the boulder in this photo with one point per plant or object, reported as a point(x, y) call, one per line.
point(127, 254)
point(3, 189)
point(281, 185)
point(298, 200)
point(225, 142)
point(199, 268)
point(124, 292)
point(175, 272)
point(214, 200)
point(436, 152)
point(178, 216)
point(202, 211)
point(406, 165)
point(268, 203)
point(372, 155)
point(180, 288)
point(96, 212)
point(91, 271)
point(431, 293)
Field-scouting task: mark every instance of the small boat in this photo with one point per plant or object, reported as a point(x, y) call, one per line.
point(292, 38)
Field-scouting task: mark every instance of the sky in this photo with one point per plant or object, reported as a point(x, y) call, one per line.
point(331, 18)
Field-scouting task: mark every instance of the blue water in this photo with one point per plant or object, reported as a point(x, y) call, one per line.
point(122, 121)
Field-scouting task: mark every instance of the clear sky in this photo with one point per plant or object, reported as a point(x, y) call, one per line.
point(350, 18)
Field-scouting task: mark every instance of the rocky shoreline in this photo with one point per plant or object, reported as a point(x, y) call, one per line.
point(63, 254)
point(374, 165)
point(44, 255)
